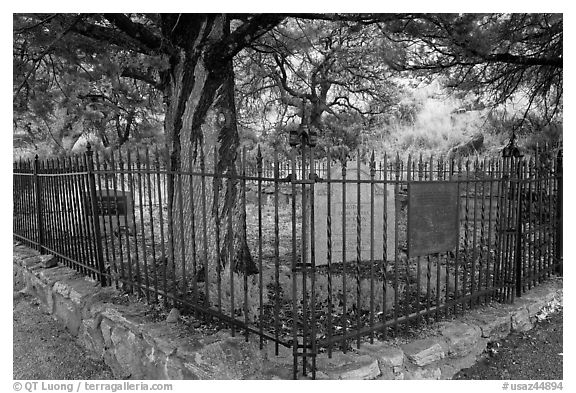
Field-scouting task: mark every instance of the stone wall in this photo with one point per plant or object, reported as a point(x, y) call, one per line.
point(137, 347)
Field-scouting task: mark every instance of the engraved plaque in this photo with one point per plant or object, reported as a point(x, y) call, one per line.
point(344, 218)
point(113, 206)
point(110, 205)
point(433, 222)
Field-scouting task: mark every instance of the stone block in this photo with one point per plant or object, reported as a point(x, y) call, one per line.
point(387, 374)
point(106, 329)
point(35, 262)
point(90, 336)
point(38, 288)
point(30, 261)
point(452, 366)
point(160, 336)
point(98, 302)
point(423, 373)
point(66, 312)
point(154, 366)
point(22, 252)
point(59, 273)
point(350, 367)
point(274, 372)
point(47, 261)
point(61, 288)
point(187, 371)
point(173, 316)
point(388, 356)
point(338, 359)
point(493, 323)
point(520, 320)
point(81, 290)
point(535, 305)
point(460, 337)
point(364, 369)
point(231, 358)
point(128, 349)
point(131, 316)
point(543, 293)
point(425, 351)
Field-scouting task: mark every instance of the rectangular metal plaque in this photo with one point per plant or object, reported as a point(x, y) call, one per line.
point(110, 203)
point(433, 221)
point(114, 207)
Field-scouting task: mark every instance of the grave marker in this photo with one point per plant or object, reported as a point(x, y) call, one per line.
point(384, 201)
point(113, 206)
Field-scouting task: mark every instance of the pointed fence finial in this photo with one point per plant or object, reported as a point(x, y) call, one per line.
point(259, 159)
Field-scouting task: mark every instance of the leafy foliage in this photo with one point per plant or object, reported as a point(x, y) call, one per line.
point(115, 78)
point(309, 71)
point(67, 87)
point(503, 57)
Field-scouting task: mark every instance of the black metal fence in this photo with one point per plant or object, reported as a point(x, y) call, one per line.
point(314, 260)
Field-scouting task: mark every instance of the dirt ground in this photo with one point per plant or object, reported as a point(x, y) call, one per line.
point(533, 355)
point(44, 350)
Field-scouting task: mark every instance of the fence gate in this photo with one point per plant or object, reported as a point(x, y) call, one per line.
point(304, 345)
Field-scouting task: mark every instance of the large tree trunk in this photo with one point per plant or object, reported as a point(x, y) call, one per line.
point(207, 220)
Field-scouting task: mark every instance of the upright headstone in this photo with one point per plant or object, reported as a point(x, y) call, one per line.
point(347, 214)
point(480, 193)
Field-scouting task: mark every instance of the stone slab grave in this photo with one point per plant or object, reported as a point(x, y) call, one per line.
point(384, 204)
point(114, 208)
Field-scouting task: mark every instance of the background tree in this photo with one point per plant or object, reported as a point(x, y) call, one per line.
point(500, 56)
point(63, 91)
point(320, 73)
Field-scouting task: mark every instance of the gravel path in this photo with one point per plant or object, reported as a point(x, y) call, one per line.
point(44, 350)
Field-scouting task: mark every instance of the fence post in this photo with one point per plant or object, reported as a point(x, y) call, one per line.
point(559, 197)
point(95, 216)
point(38, 197)
point(518, 254)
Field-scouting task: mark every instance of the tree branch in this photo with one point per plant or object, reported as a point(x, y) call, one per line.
point(244, 35)
point(134, 73)
point(45, 52)
point(139, 32)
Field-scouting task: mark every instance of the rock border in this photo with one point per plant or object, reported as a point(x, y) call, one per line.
point(136, 347)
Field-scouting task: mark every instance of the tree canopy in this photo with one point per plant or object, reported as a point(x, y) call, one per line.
point(192, 78)
point(119, 76)
point(497, 55)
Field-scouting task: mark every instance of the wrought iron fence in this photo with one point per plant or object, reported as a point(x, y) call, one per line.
point(313, 260)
